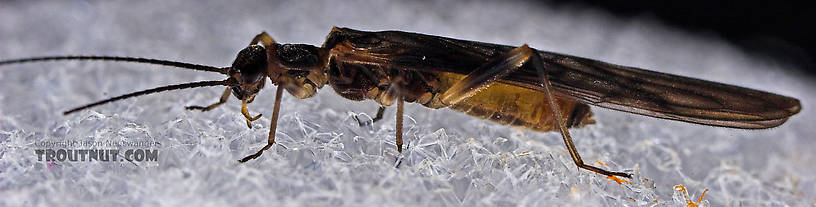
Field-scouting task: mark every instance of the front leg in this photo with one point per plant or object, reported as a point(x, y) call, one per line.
point(245, 112)
point(224, 97)
point(223, 100)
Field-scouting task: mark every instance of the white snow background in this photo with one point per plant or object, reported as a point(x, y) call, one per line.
point(323, 158)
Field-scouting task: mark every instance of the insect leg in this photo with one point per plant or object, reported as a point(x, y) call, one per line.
point(502, 66)
point(400, 102)
point(223, 100)
point(559, 122)
point(272, 126)
point(245, 112)
point(264, 38)
point(379, 116)
point(391, 95)
point(487, 73)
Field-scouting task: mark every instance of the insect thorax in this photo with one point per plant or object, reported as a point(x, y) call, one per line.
point(361, 81)
point(299, 69)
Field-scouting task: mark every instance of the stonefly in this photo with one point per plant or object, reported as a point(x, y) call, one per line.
point(518, 86)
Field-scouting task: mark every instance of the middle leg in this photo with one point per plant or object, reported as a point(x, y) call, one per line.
point(400, 104)
point(272, 127)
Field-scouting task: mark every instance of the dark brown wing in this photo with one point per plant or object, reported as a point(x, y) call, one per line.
point(589, 81)
point(661, 95)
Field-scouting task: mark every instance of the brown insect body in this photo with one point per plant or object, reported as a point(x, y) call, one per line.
point(373, 65)
point(586, 81)
point(518, 86)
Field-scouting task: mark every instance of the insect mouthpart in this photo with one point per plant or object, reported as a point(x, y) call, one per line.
point(247, 91)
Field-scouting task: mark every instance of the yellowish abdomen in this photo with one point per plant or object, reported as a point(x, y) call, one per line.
point(517, 106)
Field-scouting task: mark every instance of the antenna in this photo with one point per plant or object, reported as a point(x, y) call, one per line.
point(153, 90)
point(120, 59)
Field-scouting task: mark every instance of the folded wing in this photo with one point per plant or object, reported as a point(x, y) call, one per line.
point(660, 95)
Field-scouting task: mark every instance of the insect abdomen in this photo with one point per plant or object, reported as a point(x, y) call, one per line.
point(517, 106)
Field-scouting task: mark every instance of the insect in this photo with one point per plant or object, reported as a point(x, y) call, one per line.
point(518, 86)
